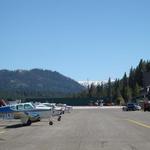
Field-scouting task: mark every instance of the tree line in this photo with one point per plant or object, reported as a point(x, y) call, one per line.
point(120, 91)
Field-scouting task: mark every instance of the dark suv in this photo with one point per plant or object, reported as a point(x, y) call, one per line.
point(131, 107)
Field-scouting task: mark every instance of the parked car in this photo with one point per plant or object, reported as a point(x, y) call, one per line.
point(131, 107)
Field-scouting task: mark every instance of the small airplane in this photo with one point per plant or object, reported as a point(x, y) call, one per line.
point(65, 107)
point(59, 108)
point(25, 112)
point(56, 109)
point(44, 112)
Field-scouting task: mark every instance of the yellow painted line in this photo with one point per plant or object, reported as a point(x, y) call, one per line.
point(138, 123)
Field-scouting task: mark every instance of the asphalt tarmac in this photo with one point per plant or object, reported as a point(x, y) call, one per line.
point(82, 129)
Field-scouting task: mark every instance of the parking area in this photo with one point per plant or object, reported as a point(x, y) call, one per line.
point(83, 129)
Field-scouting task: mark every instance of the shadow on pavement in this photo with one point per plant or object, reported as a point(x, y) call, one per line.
point(15, 126)
point(2, 139)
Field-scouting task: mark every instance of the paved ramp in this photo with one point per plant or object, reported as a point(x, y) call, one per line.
point(87, 129)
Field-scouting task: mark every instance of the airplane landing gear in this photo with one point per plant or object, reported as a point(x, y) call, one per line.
point(50, 123)
point(29, 122)
point(59, 118)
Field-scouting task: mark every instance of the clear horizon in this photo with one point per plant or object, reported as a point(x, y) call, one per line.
point(82, 39)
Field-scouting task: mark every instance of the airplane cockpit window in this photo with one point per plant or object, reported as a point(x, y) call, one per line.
point(20, 107)
point(13, 107)
point(28, 106)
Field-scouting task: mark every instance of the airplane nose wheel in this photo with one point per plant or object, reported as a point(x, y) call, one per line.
point(29, 122)
point(50, 123)
point(59, 118)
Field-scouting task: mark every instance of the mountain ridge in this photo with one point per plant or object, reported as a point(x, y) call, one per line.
point(38, 80)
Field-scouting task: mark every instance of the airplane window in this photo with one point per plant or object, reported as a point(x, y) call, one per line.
point(13, 107)
point(20, 107)
point(28, 106)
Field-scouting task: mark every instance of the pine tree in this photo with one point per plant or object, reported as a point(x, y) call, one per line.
point(109, 90)
point(126, 90)
point(98, 91)
point(140, 69)
point(132, 78)
point(118, 99)
point(92, 91)
point(124, 85)
point(148, 66)
point(136, 90)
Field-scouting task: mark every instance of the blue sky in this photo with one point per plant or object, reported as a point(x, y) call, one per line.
point(82, 39)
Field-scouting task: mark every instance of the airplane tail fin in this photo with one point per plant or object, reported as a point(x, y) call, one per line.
point(2, 103)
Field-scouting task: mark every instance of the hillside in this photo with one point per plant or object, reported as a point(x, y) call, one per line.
point(36, 82)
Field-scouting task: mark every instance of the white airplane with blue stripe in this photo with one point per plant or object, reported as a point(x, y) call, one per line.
point(26, 112)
